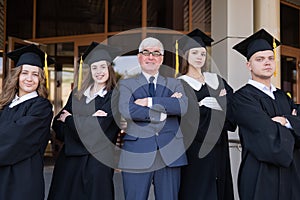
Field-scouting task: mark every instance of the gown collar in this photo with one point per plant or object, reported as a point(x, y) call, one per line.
point(17, 100)
point(211, 79)
point(102, 92)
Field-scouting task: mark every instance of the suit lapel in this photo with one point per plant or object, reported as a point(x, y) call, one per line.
point(160, 86)
point(142, 81)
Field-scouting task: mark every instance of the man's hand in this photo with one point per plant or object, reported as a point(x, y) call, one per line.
point(177, 95)
point(142, 102)
point(280, 119)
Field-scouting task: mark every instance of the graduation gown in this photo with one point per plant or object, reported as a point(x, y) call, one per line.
point(208, 177)
point(78, 173)
point(270, 152)
point(24, 135)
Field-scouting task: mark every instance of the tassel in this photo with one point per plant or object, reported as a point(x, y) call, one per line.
point(46, 72)
point(177, 59)
point(80, 74)
point(274, 49)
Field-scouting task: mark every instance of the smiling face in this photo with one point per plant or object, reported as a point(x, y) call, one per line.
point(99, 71)
point(197, 57)
point(149, 63)
point(262, 65)
point(28, 79)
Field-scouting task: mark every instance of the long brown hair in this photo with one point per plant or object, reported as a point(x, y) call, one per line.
point(185, 64)
point(88, 81)
point(11, 86)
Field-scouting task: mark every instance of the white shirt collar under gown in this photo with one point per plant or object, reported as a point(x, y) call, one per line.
point(211, 79)
point(263, 88)
point(102, 92)
point(17, 100)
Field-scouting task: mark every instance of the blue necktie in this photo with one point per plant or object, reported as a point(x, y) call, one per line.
point(151, 86)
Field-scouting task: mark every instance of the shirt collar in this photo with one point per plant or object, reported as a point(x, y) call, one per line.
point(147, 76)
point(263, 88)
point(102, 92)
point(17, 100)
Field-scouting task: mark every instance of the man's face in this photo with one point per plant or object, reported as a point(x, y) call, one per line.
point(262, 65)
point(150, 59)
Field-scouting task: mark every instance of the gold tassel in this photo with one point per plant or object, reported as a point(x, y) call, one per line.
point(80, 74)
point(177, 59)
point(274, 49)
point(46, 72)
point(289, 94)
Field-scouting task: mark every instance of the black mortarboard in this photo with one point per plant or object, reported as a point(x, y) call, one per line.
point(30, 55)
point(259, 41)
point(194, 39)
point(96, 52)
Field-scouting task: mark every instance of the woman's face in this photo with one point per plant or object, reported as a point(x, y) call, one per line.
point(100, 72)
point(197, 57)
point(28, 79)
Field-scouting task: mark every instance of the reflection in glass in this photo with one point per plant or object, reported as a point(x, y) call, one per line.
point(289, 76)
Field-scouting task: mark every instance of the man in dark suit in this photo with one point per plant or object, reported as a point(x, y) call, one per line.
point(153, 149)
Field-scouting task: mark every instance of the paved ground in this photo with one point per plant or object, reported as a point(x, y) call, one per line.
point(117, 181)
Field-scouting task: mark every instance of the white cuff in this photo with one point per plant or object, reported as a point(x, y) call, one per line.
point(150, 102)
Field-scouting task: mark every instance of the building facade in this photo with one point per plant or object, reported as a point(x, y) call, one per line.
point(65, 28)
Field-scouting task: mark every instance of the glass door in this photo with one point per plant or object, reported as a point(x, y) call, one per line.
point(290, 72)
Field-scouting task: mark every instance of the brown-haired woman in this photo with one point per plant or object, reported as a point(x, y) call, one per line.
point(208, 173)
point(87, 126)
point(25, 119)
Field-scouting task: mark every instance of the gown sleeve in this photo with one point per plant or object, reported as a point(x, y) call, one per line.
point(26, 134)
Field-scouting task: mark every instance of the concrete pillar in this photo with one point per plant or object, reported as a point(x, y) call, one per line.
point(232, 21)
point(267, 16)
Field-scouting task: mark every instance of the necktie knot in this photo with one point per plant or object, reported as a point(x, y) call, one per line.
point(151, 79)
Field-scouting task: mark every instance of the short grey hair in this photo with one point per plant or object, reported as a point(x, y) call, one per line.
point(151, 42)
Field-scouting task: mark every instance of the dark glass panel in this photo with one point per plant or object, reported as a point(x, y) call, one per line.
point(19, 18)
point(202, 15)
point(169, 14)
point(69, 17)
point(124, 15)
point(289, 76)
point(289, 22)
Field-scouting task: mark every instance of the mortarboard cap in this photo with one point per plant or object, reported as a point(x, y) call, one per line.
point(31, 55)
point(259, 41)
point(96, 52)
point(194, 39)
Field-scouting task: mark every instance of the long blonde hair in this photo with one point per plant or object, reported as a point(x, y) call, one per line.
point(11, 86)
point(110, 83)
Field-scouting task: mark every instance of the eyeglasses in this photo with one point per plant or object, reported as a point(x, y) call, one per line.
point(154, 53)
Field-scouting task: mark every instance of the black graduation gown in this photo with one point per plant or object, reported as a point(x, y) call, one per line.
point(270, 152)
point(208, 177)
point(77, 173)
point(24, 135)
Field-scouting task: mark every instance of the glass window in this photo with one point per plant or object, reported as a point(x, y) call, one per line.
point(289, 22)
point(124, 15)
point(202, 15)
point(19, 18)
point(289, 76)
point(171, 14)
point(68, 17)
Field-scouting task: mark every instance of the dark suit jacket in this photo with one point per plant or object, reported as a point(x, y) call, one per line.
point(145, 132)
